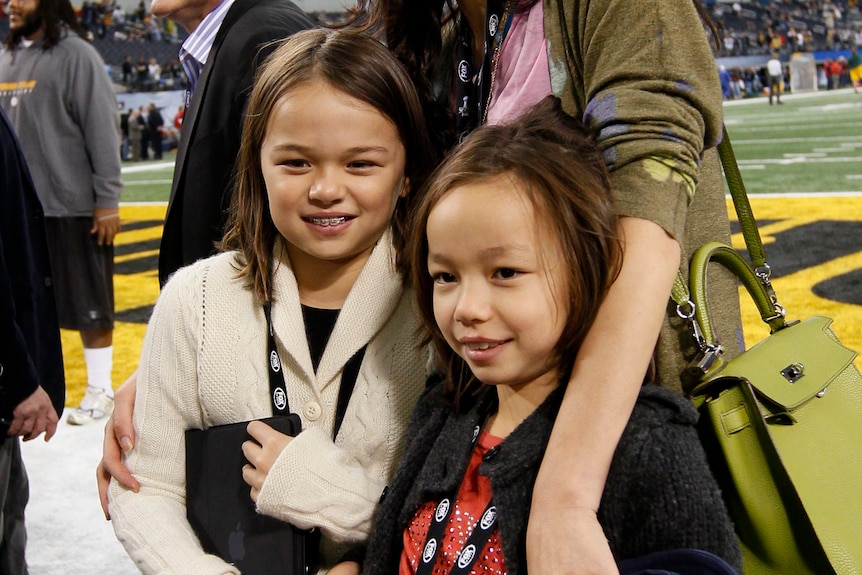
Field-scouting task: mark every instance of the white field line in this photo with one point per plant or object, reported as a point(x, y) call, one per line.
point(801, 160)
point(764, 101)
point(148, 167)
point(146, 182)
point(850, 140)
point(818, 195)
point(760, 126)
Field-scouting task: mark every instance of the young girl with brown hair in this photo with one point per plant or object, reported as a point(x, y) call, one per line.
point(514, 246)
point(332, 150)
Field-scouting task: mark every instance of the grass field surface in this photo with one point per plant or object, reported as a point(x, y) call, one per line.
point(802, 165)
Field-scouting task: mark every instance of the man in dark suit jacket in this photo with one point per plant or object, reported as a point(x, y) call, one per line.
point(32, 385)
point(210, 138)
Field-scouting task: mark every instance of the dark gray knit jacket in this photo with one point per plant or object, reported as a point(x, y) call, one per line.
point(659, 494)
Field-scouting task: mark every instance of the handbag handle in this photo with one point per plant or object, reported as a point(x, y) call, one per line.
point(709, 358)
point(736, 264)
point(692, 307)
point(686, 308)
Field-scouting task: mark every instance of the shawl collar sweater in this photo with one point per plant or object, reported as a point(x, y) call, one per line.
point(204, 364)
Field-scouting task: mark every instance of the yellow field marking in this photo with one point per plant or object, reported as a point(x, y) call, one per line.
point(795, 291)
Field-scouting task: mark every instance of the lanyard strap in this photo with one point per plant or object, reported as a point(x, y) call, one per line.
point(481, 534)
point(473, 91)
point(470, 553)
point(278, 389)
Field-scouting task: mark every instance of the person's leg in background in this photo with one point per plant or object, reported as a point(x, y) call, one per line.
point(83, 273)
point(14, 494)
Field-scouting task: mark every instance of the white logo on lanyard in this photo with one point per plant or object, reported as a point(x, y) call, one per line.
point(493, 22)
point(430, 551)
point(442, 511)
point(279, 398)
point(467, 556)
point(464, 71)
point(488, 517)
point(274, 361)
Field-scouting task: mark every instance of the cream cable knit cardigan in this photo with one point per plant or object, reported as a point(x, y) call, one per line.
point(203, 364)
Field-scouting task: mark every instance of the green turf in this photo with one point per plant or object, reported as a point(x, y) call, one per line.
point(144, 181)
point(810, 144)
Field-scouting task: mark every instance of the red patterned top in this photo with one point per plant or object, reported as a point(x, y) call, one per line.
point(473, 497)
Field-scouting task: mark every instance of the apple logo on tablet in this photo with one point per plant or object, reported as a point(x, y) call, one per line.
point(236, 544)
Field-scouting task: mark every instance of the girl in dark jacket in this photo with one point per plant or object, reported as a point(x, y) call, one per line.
point(514, 246)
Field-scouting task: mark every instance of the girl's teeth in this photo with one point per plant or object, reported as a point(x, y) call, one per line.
point(482, 346)
point(326, 222)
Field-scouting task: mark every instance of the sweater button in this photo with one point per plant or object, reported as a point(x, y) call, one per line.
point(312, 411)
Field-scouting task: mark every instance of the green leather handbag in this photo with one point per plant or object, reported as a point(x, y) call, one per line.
point(781, 422)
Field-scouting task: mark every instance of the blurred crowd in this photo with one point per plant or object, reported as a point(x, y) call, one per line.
point(763, 27)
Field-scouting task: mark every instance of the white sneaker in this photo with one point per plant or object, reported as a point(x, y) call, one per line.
point(96, 405)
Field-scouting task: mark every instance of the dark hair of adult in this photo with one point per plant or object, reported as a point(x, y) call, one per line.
point(57, 17)
point(415, 30)
point(362, 68)
point(552, 158)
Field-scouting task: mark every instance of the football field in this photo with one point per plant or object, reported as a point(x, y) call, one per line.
point(802, 164)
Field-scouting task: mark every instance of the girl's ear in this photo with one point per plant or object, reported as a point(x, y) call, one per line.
point(405, 187)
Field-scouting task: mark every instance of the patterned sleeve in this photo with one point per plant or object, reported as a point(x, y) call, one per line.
point(649, 88)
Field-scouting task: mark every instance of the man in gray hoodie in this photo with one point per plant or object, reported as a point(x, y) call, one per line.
point(54, 89)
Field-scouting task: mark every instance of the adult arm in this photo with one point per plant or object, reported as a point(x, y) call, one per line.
point(152, 524)
point(648, 87)
point(18, 376)
point(602, 391)
point(94, 108)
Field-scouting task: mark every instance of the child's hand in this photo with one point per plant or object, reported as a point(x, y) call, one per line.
point(346, 568)
point(261, 455)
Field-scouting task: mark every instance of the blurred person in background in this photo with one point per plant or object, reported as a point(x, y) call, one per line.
point(63, 109)
point(776, 73)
